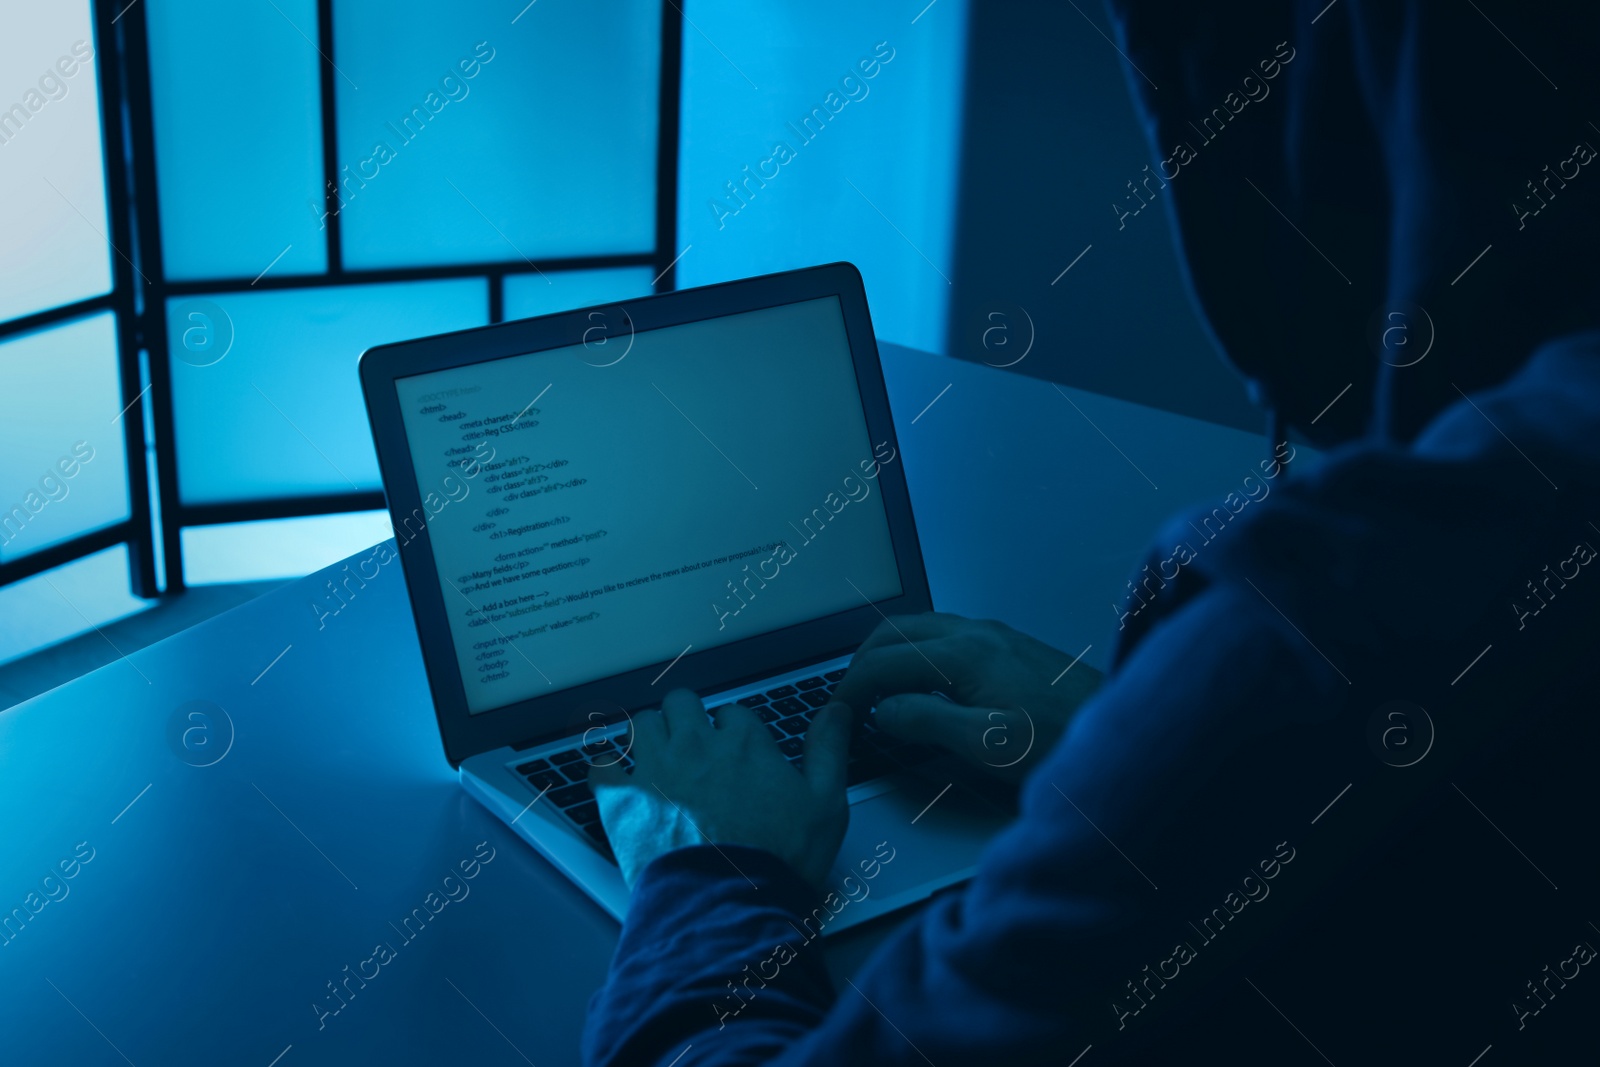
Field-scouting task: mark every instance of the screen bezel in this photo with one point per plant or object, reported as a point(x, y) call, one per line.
point(542, 718)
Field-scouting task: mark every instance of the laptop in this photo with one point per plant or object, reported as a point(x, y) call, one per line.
point(700, 488)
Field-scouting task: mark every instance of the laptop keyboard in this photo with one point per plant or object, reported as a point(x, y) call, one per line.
point(787, 711)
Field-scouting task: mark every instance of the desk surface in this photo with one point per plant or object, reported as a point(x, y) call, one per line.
point(219, 903)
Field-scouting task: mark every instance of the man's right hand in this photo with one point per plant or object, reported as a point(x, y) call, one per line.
point(1005, 702)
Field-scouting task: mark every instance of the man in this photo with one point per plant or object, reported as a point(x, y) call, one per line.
point(1331, 802)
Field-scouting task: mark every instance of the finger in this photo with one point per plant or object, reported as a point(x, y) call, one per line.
point(919, 667)
point(898, 629)
point(685, 716)
point(827, 749)
point(647, 734)
point(607, 776)
point(735, 719)
point(931, 720)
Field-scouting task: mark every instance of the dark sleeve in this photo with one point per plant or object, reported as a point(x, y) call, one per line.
point(710, 939)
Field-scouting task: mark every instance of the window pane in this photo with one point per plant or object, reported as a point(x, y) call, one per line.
point(62, 603)
point(848, 152)
point(264, 386)
point(238, 129)
point(52, 181)
point(63, 470)
point(474, 138)
point(528, 295)
point(278, 548)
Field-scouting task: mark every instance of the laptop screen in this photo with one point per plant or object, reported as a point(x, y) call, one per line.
point(600, 507)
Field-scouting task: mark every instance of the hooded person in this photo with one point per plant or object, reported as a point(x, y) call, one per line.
point(1323, 806)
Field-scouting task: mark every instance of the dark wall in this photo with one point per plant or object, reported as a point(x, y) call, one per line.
point(1050, 143)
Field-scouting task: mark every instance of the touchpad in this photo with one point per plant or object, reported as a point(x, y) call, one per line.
point(925, 832)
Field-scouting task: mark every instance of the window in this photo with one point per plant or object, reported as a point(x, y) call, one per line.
point(217, 207)
point(73, 476)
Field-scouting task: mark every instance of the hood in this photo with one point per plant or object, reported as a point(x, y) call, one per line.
point(1380, 206)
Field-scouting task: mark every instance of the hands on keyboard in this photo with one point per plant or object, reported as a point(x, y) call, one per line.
point(562, 778)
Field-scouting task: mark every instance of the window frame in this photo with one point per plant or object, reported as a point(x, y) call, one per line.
point(128, 304)
point(128, 141)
